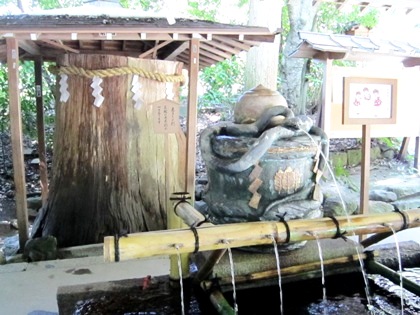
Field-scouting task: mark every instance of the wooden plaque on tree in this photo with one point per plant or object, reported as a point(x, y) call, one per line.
point(166, 116)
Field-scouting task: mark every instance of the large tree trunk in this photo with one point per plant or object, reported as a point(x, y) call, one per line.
point(262, 61)
point(293, 70)
point(112, 172)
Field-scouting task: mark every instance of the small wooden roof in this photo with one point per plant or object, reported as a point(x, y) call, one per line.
point(144, 37)
point(359, 48)
point(407, 5)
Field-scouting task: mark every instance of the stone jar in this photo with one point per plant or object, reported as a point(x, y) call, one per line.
point(253, 102)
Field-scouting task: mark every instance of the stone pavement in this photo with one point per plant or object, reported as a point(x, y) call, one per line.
point(31, 288)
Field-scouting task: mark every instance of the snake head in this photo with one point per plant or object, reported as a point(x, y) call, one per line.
point(301, 122)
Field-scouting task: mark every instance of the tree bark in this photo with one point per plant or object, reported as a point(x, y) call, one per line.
point(293, 70)
point(262, 61)
point(110, 168)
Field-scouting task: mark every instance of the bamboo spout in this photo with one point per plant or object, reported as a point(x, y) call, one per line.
point(171, 242)
point(187, 212)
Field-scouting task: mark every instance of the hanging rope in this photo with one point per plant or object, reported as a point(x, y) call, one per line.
point(104, 73)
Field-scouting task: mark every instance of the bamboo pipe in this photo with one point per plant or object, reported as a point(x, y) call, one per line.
point(220, 303)
point(233, 235)
point(187, 212)
point(286, 271)
point(376, 238)
point(207, 267)
point(375, 267)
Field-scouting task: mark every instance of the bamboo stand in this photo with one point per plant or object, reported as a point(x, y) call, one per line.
point(235, 235)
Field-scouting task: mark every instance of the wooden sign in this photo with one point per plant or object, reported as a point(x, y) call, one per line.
point(166, 116)
point(369, 100)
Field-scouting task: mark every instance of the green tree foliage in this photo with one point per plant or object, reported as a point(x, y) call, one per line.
point(330, 19)
point(147, 5)
point(223, 83)
point(27, 97)
point(204, 9)
point(224, 80)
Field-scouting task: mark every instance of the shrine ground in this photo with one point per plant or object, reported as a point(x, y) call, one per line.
point(31, 288)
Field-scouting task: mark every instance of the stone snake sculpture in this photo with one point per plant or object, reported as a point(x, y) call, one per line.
point(290, 127)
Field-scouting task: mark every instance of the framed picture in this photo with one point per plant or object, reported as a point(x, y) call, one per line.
point(369, 101)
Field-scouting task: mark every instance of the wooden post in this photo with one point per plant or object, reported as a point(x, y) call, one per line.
point(402, 154)
point(191, 145)
point(41, 129)
point(324, 121)
point(16, 135)
point(365, 173)
point(416, 154)
point(192, 116)
point(365, 170)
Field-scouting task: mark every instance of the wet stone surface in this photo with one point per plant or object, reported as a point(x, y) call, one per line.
point(345, 295)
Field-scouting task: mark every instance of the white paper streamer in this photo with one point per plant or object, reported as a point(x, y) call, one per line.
point(97, 90)
point(64, 93)
point(169, 91)
point(135, 88)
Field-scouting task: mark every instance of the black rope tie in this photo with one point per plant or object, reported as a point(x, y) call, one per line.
point(181, 197)
point(338, 233)
point(117, 244)
point(283, 220)
point(404, 217)
point(117, 247)
point(197, 241)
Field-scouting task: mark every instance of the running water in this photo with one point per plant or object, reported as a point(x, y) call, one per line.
point(362, 265)
point(276, 252)
point(232, 272)
point(399, 266)
point(181, 283)
point(321, 260)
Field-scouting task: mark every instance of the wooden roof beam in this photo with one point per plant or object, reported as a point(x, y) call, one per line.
point(411, 62)
point(214, 50)
point(203, 60)
point(227, 48)
point(154, 50)
point(60, 45)
point(324, 55)
point(100, 36)
point(211, 55)
point(30, 47)
point(184, 46)
point(232, 42)
point(125, 53)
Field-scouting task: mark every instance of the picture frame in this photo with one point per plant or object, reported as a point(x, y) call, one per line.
point(369, 100)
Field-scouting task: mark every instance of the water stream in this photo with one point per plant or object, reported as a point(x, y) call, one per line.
point(348, 217)
point(232, 271)
point(394, 233)
point(321, 260)
point(276, 252)
point(181, 282)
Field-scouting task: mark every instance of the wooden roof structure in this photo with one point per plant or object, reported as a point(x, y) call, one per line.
point(407, 5)
point(339, 46)
point(327, 47)
point(141, 37)
point(197, 44)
